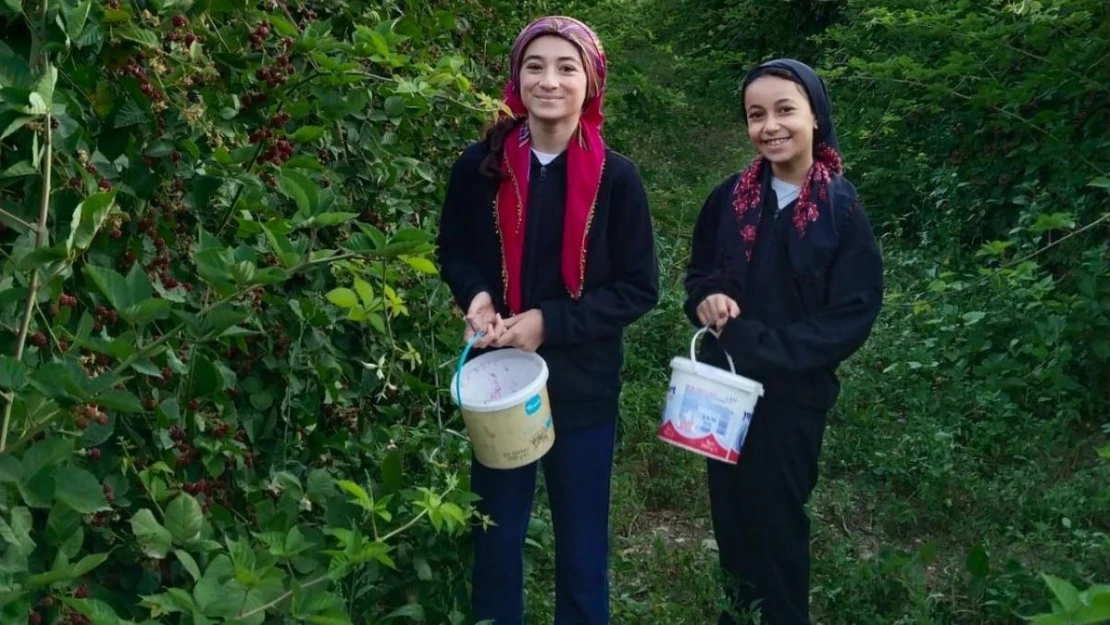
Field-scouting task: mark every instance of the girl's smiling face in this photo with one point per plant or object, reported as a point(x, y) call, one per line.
point(553, 82)
point(780, 122)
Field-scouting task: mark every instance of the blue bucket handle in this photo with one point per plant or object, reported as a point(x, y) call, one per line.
point(462, 361)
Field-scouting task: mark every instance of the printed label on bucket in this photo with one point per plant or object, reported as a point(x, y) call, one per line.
point(704, 422)
point(533, 406)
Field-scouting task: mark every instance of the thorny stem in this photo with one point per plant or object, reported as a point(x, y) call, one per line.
point(29, 306)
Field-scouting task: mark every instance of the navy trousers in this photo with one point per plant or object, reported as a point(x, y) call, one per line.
point(577, 472)
point(759, 515)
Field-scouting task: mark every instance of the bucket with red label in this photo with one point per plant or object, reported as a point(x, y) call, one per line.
point(708, 410)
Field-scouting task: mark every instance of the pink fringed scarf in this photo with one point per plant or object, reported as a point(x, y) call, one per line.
point(747, 196)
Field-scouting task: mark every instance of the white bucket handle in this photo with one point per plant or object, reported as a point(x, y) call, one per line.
point(717, 335)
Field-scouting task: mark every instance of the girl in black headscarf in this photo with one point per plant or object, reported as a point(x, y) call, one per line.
point(785, 268)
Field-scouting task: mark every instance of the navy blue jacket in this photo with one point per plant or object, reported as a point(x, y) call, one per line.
point(583, 340)
point(795, 327)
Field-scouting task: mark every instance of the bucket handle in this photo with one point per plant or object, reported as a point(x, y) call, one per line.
point(462, 361)
point(693, 342)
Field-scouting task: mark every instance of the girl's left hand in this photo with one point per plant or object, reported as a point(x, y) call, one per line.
point(523, 331)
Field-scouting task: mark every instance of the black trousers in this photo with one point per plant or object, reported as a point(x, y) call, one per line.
point(759, 516)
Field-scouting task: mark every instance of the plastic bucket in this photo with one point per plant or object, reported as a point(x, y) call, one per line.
point(708, 410)
point(505, 406)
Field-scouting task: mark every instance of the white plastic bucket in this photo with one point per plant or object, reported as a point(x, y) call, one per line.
point(505, 406)
point(708, 410)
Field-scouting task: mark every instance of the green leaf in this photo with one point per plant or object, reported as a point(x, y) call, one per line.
point(1053, 221)
point(46, 84)
point(423, 569)
point(242, 272)
point(973, 318)
point(320, 485)
point(301, 189)
point(138, 285)
point(1104, 452)
point(130, 114)
point(358, 492)
point(212, 266)
point(17, 533)
point(76, 17)
point(391, 471)
point(64, 530)
point(144, 312)
point(99, 613)
point(262, 400)
point(38, 490)
point(207, 379)
point(303, 161)
point(412, 611)
point(154, 539)
point(306, 134)
point(210, 589)
point(88, 563)
point(1065, 593)
point(218, 321)
point(88, 218)
point(14, 71)
point(80, 490)
point(171, 409)
point(184, 519)
point(978, 562)
point(15, 125)
point(343, 297)
point(62, 380)
point(110, 283)
point(204, 189)
point(46, 453)
point(43, 256)
point(1101, 182)
point(13, 374)
point(11, 471)
point(19, 170)
point(421, 264)
point(140, 36)
point(188, 563)
point(120, 400)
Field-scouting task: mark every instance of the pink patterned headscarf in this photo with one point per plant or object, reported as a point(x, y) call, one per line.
point(578, 34)
point(585, 161)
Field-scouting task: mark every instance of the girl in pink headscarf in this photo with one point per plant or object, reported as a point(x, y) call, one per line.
point(546, 242)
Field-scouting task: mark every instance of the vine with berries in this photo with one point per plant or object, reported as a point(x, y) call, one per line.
point(221, 336)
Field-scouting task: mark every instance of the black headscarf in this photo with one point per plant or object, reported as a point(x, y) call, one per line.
point(826, 196)
point(814, 87)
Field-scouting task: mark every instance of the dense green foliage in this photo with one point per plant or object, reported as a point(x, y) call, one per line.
point(220, 325)
point(223, 357)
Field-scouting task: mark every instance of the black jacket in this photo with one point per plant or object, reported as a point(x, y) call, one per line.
point(583, 342)
point(794, 328)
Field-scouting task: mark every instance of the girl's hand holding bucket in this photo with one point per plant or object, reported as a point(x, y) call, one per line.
point(483, 317)
point(524, 331)
point(716, 310)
